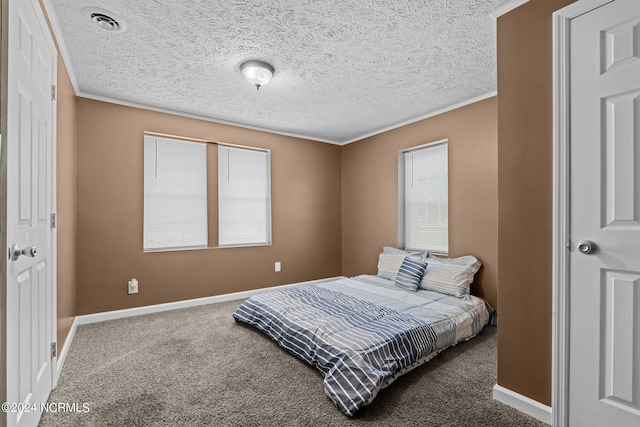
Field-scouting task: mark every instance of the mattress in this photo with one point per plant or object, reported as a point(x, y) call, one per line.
point(363, 332)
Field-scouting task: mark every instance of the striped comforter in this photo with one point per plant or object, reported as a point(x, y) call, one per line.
point(362, 332)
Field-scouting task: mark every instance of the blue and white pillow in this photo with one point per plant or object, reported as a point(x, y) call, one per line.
point(410, 274)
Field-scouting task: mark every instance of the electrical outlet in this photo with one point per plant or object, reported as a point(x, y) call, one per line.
point(278, 266)
point(132, 288)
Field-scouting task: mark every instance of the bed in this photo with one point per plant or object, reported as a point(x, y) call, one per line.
point(363, 332)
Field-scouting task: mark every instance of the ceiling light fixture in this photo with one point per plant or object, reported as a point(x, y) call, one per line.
point(257, 73)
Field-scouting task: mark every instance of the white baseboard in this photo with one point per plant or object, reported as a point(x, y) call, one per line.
point(523, 403)
point(62, 354)
point(138, 311)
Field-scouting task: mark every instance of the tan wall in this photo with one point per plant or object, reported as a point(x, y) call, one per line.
point(370, 191)
point(525, 198)
point(305, 208)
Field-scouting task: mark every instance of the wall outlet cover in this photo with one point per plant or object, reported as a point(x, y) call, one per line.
point(132, 287)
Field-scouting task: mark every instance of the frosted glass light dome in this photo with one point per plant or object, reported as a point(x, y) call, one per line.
point(257, 73)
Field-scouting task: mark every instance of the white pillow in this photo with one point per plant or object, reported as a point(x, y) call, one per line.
point(415, 255)
point(451, 276)
point(389, 264)
point(390, 260)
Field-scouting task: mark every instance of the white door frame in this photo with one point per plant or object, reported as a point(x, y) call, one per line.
point(561, 204)
point(4, 244)
point(54, 196)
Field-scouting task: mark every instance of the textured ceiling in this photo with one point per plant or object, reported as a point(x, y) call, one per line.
point(344, 69)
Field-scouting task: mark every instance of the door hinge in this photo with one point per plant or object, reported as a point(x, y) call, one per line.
point(54, 350)
point(53, 92)
point(53, 220)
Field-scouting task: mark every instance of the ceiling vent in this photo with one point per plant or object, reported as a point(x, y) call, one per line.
point(105, 22)
point(104, 19)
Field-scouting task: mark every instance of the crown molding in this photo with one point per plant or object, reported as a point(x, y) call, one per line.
point(503, 10)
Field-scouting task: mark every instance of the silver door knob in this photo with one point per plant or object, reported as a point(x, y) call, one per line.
point(16, 252)
point(587, 247)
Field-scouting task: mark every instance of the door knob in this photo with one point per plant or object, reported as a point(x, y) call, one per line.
point(587, 247)
point(16, 252)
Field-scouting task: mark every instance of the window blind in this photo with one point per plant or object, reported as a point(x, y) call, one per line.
point(426, 198)
point(175, 194)
point(244, 196)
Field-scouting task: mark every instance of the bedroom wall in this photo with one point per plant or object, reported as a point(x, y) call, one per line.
point(525, 126)
point(305, 209)
point(370, 191)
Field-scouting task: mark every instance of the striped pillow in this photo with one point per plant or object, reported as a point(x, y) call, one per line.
point(451, 276)
point(390, 260)
point(389, 264)
point(410, 274)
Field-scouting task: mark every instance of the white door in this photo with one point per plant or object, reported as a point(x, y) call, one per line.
point(604, 336)
point(29, 139)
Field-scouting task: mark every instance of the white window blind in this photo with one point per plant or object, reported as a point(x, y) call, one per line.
point(175, 194)
point(425, 206)
point(244, 197)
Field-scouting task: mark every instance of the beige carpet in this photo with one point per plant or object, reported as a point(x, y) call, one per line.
point(198, 367)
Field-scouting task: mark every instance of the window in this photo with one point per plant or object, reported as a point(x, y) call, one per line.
point(244, 196)
point(424, 198)
point(175, 194)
